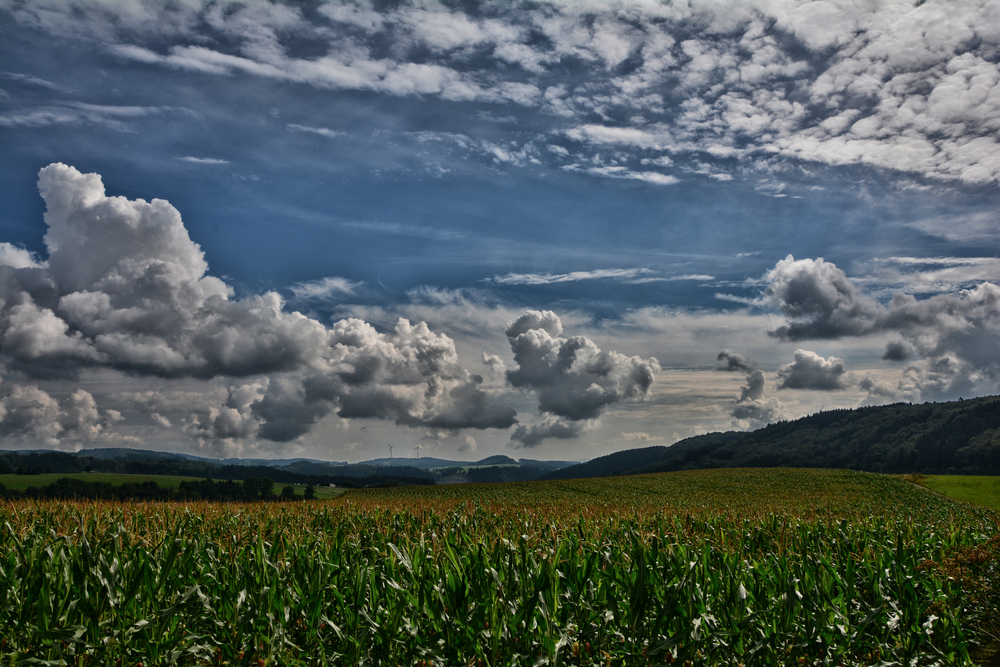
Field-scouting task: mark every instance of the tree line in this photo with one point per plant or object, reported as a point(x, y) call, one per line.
point(252, 489)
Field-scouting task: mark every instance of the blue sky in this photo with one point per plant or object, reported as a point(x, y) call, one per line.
point(551, 230)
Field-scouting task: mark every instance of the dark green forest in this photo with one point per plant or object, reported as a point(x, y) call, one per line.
point(956, 437)
point(251, 489)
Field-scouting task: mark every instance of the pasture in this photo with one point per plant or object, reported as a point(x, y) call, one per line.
point(975, 489)
point(22, 482)
point(722, 567)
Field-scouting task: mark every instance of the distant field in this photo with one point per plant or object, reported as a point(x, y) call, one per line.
point(718, 567)
point(978, 490)
point(21, 482)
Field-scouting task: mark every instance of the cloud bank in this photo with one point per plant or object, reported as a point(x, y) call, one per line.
point(912, 87)
point(125, 288)
point(956, 335)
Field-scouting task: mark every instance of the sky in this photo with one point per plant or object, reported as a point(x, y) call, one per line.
point(551, 229)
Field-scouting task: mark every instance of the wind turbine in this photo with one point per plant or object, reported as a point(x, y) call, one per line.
point(390, 450)
point(418, 451)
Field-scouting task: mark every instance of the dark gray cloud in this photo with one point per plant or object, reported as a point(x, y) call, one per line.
point(752, 409)
point(754, 390)
point(897, 350)
point(550, 426)
point(811, 371)
point(819, 299)
point(734, 361)
point(573, 379)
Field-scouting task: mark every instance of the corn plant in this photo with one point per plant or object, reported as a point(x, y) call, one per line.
point(753, 567)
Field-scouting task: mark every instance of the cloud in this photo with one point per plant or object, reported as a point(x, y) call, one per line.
point(734, 361)
point(618, 136)
point(819, 299)
point(751, 409)
point(468, 445)
point(638, 437)
point(756, 413)
point(550, 427)
point(321, 131)
point(916, 91)
point(18, 258)
point(897, 350)
point(331, 287)
point(573, 379)
point(618, 171)
point(754, 390)
point(29, 80)
point(71, 113)
point(494, 362)
point(223, 429)
point(202, 160)
point(623, 275)
point(125, 288)
point(879, 391)
point(957, 335)
point(811, 371)
point(32, 415)
point(965, 325)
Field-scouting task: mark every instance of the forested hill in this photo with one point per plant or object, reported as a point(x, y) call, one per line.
point(959, 437)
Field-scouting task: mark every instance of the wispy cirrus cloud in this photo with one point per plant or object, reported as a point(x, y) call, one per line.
point(68, 113)
point(202, 160)
point(27, 79)
point(321, 131)
point(629, 276)
point(622, 275)
point(331, 287)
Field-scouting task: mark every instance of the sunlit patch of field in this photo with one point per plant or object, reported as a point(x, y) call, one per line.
point(21, 482)
point(714, 567)
point(979, 490)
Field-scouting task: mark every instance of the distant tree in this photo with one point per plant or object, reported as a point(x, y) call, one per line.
point(258, 488)
point(310, 492)
point(288, 493)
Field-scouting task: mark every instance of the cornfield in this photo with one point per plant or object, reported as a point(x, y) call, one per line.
point(753, 567)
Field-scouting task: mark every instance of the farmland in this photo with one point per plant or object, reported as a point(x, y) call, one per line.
point(712, 567)
point(23, 482)
point(976, 489)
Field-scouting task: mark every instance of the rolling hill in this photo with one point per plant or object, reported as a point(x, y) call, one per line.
point(956, 437)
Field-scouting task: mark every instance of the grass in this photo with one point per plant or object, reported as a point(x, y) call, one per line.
point(21, 482)
point(722, 567)
point(978, 490)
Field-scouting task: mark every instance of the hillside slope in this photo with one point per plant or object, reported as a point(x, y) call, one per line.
point(957, 437)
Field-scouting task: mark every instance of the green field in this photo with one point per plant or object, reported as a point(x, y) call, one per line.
point(978, 490)
point(721, 567)
point(21, 482)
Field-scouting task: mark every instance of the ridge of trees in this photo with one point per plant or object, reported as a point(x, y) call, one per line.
point(251, 489)
point(956, 437)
